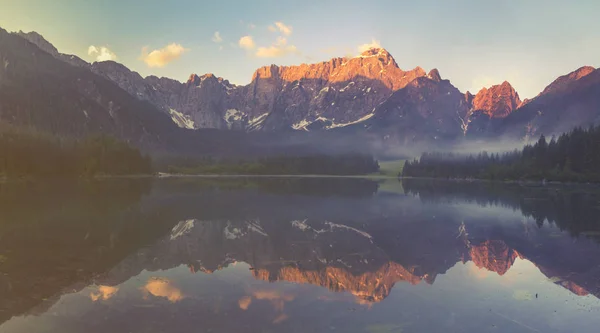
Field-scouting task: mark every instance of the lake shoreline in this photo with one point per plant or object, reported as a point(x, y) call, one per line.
point(518, 182)
point(169, 175)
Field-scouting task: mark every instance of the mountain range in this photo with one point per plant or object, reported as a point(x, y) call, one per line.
point(367, 98)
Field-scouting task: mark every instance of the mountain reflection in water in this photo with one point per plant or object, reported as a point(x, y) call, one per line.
point(254, 254)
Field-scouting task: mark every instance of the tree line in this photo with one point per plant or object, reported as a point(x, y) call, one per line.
point(321, 164)
point(571, 208)
point(573, 156)
point(29, 153)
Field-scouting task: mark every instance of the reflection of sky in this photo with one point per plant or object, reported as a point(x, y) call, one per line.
point(163, 288)
point(103, 293)
point(466, 298)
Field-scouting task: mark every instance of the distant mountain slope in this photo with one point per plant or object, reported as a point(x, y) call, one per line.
point(426, 109)
point(41, 91)
point(367, 97)
point(571, 100)
point(38, 91)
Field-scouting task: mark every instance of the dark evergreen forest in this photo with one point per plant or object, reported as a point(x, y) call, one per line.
point(574, 156)
point(342, 164)
point(29, 153)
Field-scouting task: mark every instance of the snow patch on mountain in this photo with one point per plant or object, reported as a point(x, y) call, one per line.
point(182, 228)
point(301, 125)
point(256, 227)
point(304, 123)
point(321, 92)
point(301, 225)
point(232, 116)
point(232, 232)
point(333, 226)
point(336, 125)
point(256, 122)
point(182, 120)
point(347, 86)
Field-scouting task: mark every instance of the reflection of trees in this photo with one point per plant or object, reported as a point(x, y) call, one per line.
point(53, 234)
point(313, 186)
point(572, 208)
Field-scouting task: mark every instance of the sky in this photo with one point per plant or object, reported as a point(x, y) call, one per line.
point(473, 43)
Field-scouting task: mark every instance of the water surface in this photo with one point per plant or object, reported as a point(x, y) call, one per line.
point(298, 255)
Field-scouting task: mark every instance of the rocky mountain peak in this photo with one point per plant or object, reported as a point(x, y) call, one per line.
point(193, 80)
point(266, 72)
point(208, 76)
point(44, 45)
point(580, 72)
point(498, 101)
point(434, 74)
point(375, 51)
point(564, 81)
point(111, 64)
point(380, 54)
point(39, 40)
point(469, 97)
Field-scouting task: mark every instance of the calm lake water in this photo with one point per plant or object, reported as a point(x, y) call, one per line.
point(298, 255)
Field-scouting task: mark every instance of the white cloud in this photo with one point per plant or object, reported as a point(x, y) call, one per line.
point(247, 43)
point(278, 49)
point(374, 44)
point(221, 48)
point(102, 53)
point(160, 58)
point(217, 37)
point(284, 29)
point(251, 26)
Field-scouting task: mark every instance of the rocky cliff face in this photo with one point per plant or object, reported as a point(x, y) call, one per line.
point(489, 107)
point(326, 95)
point(498, 101)
point(427, 108)
point(494, 256)
point(198, 103)
point(571, 100)
point(369, 93)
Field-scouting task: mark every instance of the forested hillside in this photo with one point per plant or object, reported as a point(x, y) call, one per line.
point(28, 153)
point(342, 164)
point(574, 156)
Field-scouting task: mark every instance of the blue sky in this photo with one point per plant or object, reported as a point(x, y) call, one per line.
point(472, 43)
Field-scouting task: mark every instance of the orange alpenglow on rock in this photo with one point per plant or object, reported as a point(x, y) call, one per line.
point(498, 101)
